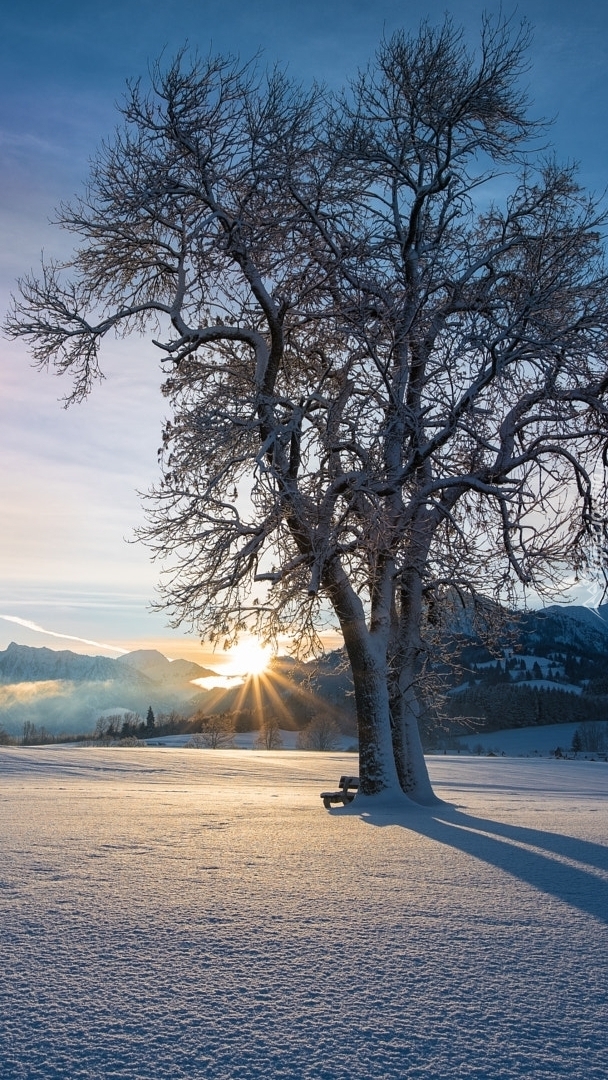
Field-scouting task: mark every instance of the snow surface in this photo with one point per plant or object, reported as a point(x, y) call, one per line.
point(543, 739)
point(246, 740)
point(171, 913)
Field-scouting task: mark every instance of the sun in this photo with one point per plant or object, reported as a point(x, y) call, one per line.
point(249, 657)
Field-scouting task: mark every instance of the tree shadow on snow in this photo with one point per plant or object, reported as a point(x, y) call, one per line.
point(556, 864)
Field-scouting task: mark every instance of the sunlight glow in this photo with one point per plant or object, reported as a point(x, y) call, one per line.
point(249, 657)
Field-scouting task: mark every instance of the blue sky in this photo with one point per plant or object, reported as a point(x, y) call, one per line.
point(69, 479)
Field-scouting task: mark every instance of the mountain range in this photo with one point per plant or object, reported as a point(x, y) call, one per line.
point(66, 691)
point(564, 649)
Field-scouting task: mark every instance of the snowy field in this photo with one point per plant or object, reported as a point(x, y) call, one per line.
point(172, 913)
point(543, 739)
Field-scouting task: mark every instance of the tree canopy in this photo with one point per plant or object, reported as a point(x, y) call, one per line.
point(383, 317)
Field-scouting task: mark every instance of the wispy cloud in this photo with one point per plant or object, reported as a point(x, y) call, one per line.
point(17, 140)
point(31, 692)
point(29, 625)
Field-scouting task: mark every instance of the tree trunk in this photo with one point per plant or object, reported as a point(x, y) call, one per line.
point(409, 757)
point(404, 704)
point(377, 769)
point(367, 653)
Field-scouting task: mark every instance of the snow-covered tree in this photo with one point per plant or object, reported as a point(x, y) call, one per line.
point(384, 323)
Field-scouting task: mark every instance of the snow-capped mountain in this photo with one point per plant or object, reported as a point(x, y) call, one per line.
point(577, 627)
point(66, 691)
point(22, 663)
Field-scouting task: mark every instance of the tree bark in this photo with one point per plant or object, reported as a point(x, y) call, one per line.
point(377, 768)
point(404, 702)
point(407, 747)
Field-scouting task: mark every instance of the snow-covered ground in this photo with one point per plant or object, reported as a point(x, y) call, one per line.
point(544, 740)
point(169, 913)
point(246, 740)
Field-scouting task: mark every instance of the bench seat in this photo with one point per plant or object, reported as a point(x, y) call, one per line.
point(347, 789)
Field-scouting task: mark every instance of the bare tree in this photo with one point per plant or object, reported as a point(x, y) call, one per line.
point(269, 736)
point(592, 736)
point(387, 390)
point(215, 731)
point(115, 726)
point(322, 733)
point(107, 728)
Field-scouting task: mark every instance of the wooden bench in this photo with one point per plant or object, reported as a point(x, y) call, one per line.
point(348, 787)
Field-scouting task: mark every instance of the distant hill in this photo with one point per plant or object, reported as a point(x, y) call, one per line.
point(575, 628)
point(155, 666)
point(553, 670)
